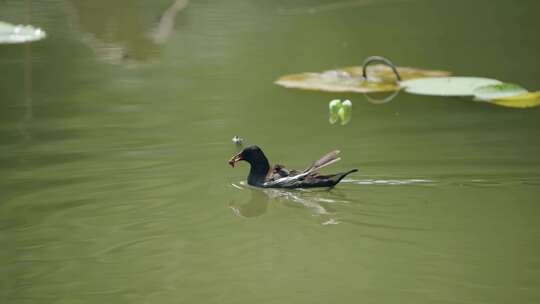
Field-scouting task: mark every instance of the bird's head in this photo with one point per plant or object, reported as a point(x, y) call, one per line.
point(251, 154)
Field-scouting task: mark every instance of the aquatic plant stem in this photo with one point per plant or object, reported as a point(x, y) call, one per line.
point(372, 59)
point(388, 98)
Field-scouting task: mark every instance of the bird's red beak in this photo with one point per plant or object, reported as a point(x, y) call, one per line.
point(235, 159)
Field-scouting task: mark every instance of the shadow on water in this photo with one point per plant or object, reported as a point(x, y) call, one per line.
point(122, 34)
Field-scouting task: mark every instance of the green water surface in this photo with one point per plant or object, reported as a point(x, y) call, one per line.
point(115, 133)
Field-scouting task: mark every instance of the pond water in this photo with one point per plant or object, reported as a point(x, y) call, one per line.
point(115, 133)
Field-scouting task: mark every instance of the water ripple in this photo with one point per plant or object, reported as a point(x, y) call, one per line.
point(387, 181)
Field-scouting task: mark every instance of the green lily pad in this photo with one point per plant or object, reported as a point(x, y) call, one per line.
point(500, 90)
point(349, 79)
point(446, 86)
point(11, 34)
point(527, 100)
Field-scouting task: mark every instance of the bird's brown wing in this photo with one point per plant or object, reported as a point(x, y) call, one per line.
point(279, 171)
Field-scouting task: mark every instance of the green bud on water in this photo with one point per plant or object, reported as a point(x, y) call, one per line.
point(345, 112)
point(333, 118)
point(334, 106)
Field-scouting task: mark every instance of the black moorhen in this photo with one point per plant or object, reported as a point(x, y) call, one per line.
point(262, 175)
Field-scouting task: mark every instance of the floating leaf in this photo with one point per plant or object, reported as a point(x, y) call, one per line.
point(10, 33)
point(349, 79)
point(526, 100)
point(496, 91)
point(383, 73)
point(333, 83)
point(446, 86)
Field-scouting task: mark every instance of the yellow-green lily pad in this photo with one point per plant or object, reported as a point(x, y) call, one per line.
point(527, 100)
point(11, 34)
point(349, 79)
point(499, 90)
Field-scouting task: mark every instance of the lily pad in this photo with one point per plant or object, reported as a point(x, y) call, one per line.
point(446, 86)
point(384, 73)
point(500, 90)
point(527, 100)
point(11, 34)
point(381, 78)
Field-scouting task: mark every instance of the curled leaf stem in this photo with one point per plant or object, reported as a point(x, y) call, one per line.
point(372, 59)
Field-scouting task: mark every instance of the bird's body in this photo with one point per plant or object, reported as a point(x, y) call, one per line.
point(263, 175)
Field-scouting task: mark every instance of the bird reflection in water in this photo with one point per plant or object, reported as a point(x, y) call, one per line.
point(256, 206)
point(316, 200)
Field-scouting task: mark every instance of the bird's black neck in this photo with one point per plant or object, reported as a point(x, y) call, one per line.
point(259, 170)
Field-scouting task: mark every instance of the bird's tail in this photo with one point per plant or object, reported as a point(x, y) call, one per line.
point(324, 161)
point(339, 176)
point(329, 180)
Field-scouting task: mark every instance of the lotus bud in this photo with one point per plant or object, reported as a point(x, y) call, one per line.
point(345, 112)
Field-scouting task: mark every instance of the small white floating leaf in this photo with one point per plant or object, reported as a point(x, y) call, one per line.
point(11, 34)
point(446, 86)
point(500, 90)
